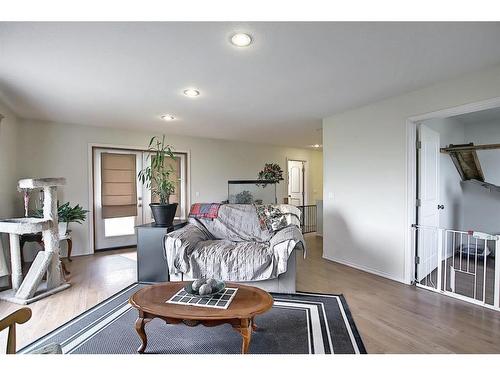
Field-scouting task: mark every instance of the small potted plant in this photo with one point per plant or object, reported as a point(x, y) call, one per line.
point(158, 178)
point(66, 215)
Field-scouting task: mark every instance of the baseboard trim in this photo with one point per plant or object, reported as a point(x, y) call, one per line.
point(365, 269)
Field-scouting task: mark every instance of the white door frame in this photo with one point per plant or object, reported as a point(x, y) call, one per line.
point(411, 170)
point(90, 164)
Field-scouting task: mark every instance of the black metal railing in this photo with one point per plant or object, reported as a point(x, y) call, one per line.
point(308, 218)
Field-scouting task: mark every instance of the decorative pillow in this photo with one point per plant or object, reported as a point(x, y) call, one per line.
point(271, 217)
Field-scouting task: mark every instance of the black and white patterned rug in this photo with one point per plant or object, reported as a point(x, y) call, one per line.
point(298, 323)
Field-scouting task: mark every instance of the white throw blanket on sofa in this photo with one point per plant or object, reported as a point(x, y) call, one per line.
point(232, 247)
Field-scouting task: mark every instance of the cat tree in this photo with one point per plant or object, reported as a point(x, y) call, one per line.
point(32, 288)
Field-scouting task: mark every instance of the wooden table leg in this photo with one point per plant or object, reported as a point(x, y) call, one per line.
point(70, 247)
point(254, 326)
point(140, 323)
point(245, 329)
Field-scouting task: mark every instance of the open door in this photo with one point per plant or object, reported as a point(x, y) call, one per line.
point(428, 205)
point(296, 182)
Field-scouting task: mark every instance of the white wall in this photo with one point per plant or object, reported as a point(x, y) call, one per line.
point(316, 177)
point(8, 173)
point(364, 152)
point(450, 190)
point(51, 149)
point(8, 162)
point(482, 207)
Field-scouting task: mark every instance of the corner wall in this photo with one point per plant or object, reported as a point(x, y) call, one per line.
point(365, 193)
point(9, 133)
point(9, 197)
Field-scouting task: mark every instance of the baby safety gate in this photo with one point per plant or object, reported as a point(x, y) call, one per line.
point(464, 265)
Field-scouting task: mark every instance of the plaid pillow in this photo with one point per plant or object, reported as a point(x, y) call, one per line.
point(205, 210)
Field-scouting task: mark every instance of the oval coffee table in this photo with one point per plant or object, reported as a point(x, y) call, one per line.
point(247, 303)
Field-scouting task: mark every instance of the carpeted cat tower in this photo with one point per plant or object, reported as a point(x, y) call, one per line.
point(32, 288)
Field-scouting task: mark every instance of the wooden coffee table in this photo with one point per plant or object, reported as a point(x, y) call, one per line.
point(248, 302)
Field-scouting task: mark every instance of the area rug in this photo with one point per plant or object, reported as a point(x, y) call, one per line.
point(301, 323)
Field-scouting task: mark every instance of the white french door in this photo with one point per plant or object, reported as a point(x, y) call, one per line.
point(118, 231)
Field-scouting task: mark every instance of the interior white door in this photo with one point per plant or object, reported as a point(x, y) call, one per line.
point(428, 192)
point(296, 182)
point(115, 232)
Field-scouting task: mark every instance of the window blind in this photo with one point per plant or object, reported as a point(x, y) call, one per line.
point(118, 185)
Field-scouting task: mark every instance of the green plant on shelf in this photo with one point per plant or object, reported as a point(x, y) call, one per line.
point(67, 214)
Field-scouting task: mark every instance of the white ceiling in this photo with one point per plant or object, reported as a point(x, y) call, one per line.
point(277, 91)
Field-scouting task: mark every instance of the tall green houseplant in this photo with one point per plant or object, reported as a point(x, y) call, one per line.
point(157, 177)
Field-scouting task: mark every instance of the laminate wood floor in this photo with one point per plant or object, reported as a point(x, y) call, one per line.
point(391, 317)
point(93, 279)
point(398, 318)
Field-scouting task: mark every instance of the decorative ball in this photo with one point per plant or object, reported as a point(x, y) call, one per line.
point(212, 282)
point(205, 289)
point(197, 283)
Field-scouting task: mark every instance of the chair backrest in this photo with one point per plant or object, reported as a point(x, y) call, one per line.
point(239, 222)
point(17, 317)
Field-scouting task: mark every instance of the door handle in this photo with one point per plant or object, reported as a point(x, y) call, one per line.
point(440, 206)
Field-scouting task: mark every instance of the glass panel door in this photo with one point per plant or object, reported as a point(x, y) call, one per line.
point(180, 196)
point(118, 231)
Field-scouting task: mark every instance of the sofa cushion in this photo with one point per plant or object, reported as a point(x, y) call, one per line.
point(236, 222)
point(235, 261)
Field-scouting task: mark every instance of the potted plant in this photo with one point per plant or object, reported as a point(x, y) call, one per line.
point(66, 215)
point(157, 178)
point(272, 172)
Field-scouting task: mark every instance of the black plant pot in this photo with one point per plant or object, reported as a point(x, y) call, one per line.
point(163, 213)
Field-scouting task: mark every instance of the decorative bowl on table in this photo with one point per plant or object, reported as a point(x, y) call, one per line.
point(205, 287)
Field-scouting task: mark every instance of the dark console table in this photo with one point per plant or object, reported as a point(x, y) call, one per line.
point(151, 264)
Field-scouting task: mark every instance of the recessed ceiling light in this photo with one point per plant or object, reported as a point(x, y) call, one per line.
point(167, 117)
point(316, 145)
point(191, 93)
point(241, 40)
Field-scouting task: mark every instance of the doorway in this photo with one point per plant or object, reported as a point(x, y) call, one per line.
point(456, 186)
point(296, 182)
point(118, 197)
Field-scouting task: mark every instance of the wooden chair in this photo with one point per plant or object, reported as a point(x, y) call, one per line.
point(17, 317)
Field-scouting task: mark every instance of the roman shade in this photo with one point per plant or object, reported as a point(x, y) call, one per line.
point(118, 185)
